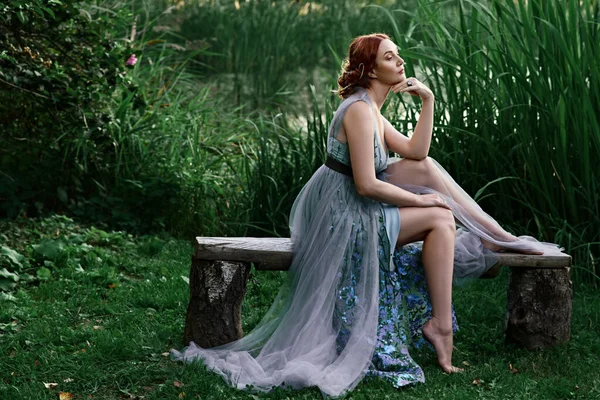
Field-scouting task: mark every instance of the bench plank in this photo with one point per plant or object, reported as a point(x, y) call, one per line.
point(275, 254)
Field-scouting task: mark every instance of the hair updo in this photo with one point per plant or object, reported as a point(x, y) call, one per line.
point(361, 60)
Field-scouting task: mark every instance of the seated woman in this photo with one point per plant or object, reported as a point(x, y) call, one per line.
point(351, 304)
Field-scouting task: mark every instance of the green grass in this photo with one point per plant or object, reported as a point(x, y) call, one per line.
point(105, 337)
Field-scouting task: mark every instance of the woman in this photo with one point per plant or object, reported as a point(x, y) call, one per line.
point(348, 309)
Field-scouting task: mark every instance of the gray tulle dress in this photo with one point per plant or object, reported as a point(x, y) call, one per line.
point(352, 305)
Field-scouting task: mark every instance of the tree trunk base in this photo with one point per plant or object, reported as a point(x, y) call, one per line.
point(217, 290)
point(538, 311)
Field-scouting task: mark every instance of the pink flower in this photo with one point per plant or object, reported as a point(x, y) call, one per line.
point(131, 60)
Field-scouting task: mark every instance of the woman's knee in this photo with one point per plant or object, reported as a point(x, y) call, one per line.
point(424, 168)
point(429, 166)
point(444, 219)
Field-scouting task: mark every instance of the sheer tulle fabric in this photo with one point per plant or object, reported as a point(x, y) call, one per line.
point(298, 342)
point(471, 258)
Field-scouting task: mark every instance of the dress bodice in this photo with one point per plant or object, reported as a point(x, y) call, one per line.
point(339, 150)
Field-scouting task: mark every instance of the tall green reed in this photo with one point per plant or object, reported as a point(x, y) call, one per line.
point(278, 161)
point(518, 89)
point(264, 51)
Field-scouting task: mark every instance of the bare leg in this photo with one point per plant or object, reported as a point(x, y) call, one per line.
point(436, 227)
point(425, 173)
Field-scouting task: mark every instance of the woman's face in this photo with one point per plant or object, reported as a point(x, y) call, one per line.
point(389, 67)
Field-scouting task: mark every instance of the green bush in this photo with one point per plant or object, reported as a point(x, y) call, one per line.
point(59, 68)
point(130, 146)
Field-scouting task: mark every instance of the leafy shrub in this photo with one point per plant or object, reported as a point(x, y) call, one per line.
point(58, 70)
point(140, 148)
point(41, 249)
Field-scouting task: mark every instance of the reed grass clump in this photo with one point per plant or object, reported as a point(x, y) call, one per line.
point(518, 89)
point(257, 48)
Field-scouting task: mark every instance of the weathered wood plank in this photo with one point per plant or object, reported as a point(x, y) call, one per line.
point(276, 253)
point(269, 253)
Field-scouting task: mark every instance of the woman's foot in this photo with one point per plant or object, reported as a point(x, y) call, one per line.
point(440, 338)
point(498, 249)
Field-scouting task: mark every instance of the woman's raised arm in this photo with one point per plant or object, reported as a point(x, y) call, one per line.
point(360, 135)
point(397, 142)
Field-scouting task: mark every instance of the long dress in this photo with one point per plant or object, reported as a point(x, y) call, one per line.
point(352, 305)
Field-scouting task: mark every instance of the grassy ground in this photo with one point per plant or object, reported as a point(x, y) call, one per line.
point(103, 331)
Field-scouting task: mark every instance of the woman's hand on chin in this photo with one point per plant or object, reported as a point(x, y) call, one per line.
point(414, 87)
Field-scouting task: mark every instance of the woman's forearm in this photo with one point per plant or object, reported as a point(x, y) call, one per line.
point(387, 193)
point(421, 138)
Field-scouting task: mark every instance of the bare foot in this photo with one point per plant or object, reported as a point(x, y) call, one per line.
point(441, 340)
point(498, 248)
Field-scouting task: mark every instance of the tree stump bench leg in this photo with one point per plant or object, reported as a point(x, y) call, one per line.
point(538, 312)
point(217, 290)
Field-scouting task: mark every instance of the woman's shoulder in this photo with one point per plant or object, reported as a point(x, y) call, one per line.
point(357, 110)
point(357, 114)
point(358, 102)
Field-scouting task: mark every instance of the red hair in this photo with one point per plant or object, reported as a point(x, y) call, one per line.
point(361, 60)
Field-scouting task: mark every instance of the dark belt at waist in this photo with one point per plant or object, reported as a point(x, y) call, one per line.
point(339, 167)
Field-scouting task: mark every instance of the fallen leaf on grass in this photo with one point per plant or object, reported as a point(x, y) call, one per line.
point(465, 363)
point(65, 396)
point(478, 382)
point(512, 369)
point(165, 354)
point(96, 327)
point(177, 384)
point(50, 385)
point(181, 395)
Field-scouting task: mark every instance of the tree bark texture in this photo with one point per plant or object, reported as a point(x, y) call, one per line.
point(538, 311)
point(217, 290)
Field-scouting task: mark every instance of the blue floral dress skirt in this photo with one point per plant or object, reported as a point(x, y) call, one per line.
point(351, 306)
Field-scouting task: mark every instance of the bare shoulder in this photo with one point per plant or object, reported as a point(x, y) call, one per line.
point(359, 108)
point(357, 114)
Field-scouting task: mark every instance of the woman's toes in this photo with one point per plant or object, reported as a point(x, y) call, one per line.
point(453, 370)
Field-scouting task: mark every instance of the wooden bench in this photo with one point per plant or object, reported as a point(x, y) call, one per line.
point(538, 312)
